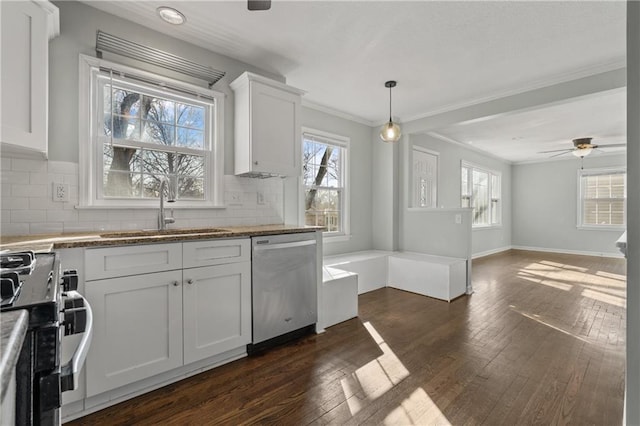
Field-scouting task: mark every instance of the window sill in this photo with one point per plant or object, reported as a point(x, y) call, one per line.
point(601, 228)
point(337, 238)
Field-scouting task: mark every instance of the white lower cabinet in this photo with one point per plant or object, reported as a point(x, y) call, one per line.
point(151, 323)
point(137, 329)
point(217, 309)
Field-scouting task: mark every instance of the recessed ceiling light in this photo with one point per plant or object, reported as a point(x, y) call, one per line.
point(171, 15)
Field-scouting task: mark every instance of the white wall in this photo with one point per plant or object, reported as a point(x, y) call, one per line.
point(451, 155)
point(359, 178)
point(545, 202)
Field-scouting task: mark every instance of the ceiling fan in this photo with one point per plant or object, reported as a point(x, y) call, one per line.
point(581, 148)
point(259, 4)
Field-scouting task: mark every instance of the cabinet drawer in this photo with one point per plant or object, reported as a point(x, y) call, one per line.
point(215, 252)
point(131, 260)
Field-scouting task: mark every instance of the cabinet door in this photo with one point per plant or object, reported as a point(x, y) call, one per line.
point(25, 51)
point(137, 329)
point(217, 309)
point(275, 130)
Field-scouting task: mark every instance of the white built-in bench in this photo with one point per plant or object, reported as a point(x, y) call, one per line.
point(339, 295)
point(347, 275)
point(371, 267)
point(434, 276)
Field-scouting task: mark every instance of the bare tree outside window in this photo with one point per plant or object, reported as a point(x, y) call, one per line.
point(151, 138)
point(323, 180)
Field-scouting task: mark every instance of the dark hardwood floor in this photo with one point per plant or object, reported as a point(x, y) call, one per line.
point(541, 341)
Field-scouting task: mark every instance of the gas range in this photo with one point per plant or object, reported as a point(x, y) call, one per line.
point(34, 282)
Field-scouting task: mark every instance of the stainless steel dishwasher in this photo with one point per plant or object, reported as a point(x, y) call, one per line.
point(284, 288)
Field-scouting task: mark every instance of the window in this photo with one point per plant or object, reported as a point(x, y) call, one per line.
point(481, 190)
point(603, 198)
point(142, 129)
point(324, 160)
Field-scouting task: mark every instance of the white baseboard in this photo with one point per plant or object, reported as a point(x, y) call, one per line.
point(565, 251)
point(490, 252)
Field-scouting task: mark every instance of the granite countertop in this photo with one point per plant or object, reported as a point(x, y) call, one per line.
point(48, 242)
point(13, 328)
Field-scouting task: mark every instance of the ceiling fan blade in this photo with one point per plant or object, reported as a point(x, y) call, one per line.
point(562, 153)
point(613, 145)
point(555, 150)
point(259, 4)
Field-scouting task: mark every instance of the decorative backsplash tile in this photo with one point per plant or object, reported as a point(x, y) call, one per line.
point(27, 205)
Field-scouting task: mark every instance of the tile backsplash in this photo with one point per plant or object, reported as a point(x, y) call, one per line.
point(27, 205)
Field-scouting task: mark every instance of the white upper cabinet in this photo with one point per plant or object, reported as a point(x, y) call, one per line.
point(27, 27)
point(267, 127)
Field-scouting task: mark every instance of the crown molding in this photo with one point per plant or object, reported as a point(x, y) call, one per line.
point(336, 113)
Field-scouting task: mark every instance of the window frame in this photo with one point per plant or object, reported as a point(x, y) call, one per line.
point(580, 204)
point(91, 143)
point(490, 195)
point(343, 143)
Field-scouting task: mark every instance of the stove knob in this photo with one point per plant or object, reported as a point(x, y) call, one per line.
point(75, 321)
point(70, 280)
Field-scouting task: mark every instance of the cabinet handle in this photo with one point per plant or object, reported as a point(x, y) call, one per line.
point(189, 281)
point(255, 162)
point(176, 283)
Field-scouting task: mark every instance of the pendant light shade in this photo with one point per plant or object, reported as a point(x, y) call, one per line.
point(390, 132)
point(581, 153)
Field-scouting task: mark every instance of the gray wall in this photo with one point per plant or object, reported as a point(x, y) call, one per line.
point(78, 26)
point(359, 178)
point(451, 155)
point(545, 202)
point(384, 178)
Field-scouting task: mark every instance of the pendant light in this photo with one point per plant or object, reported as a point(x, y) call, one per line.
point(390, 132)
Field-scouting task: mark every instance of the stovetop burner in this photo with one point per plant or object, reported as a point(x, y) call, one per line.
point(21, 262)
point(30, 281)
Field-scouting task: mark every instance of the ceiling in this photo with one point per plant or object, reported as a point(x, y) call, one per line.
point(444, 55)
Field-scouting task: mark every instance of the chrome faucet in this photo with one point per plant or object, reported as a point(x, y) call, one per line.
point(162, 220)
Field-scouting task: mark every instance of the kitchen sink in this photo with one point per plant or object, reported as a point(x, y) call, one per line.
point(158, 232)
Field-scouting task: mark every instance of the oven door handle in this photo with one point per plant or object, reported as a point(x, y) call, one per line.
point(69, 372)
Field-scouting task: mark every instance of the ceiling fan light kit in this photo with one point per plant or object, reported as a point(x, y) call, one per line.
point(390, 131)
point(581, 148)
point(582, 152)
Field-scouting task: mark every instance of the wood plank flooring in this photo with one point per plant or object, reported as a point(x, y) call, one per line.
point(541, 341)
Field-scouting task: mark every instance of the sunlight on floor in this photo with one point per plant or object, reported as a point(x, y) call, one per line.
point(601, 286)
point(417, 409)
point(612, 276)
point(375, 378)
point(564, 266)
point(604, 297)
point(537, 319)
point(554, 284)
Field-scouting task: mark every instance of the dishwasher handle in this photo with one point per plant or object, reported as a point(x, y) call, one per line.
point(266, 246)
